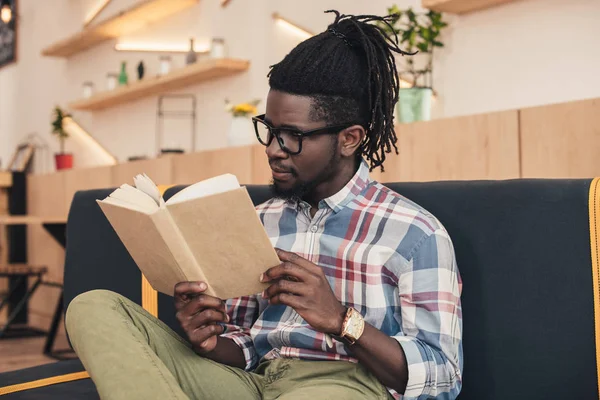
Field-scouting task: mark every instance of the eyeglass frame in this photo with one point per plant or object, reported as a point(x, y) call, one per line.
point(300, 134)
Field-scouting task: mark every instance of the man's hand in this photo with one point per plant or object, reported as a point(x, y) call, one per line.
point(198, 315)
point(302, 285)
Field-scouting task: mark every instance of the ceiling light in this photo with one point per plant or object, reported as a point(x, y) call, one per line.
point(6, 13)
point(160, 47)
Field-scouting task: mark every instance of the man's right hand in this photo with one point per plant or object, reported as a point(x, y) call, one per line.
point(198, 315)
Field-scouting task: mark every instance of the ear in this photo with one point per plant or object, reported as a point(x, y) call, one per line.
point(350, 140)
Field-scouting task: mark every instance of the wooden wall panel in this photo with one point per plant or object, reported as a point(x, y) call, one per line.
point(46, 195)
point(86, 179)
point(194, 167)
point(475, 147)
point(261, 172)
point(562, 140)
point(159, 170)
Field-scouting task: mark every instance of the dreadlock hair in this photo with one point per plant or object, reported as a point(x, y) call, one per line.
point(349, 71)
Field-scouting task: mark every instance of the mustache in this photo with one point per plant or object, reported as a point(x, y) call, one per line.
point(277, 165)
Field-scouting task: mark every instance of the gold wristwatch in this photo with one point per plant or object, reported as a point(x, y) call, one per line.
point(353, 326)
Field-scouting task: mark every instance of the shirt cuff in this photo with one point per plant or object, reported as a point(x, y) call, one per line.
point(244, 342)
point(418, 367)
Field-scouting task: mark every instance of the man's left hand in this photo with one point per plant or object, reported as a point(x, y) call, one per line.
point(302, 285)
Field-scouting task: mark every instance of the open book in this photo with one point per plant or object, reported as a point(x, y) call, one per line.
point(207, 232)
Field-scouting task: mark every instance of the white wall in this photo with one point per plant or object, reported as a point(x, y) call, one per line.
point(528, 53)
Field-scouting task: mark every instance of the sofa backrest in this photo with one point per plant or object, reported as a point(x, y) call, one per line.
point(523, 250)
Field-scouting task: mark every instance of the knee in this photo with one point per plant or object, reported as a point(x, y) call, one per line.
point(85, 305)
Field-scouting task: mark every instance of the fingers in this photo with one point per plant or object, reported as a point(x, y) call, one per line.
point(198, 305)
point(294, 258)
point(204, 333)
point(285, 270)
point(207, 317)
point(198, 322)
point(296, 302)
point(184, 290)
point(285, 286)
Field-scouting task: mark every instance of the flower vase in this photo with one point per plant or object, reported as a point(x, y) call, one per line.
point(241, 132)
point(414, 104)
point(63, 161)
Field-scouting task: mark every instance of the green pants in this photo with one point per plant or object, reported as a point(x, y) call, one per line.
point(130, 354)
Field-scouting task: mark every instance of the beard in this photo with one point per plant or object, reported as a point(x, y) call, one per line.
point(301, 189)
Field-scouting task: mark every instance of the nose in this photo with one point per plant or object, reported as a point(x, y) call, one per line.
point(273, 150)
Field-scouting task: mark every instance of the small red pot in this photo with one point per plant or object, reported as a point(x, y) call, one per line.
point(63, 161)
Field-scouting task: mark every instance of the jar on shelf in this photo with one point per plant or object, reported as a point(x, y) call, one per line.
point(111, 80)
point(88, 89)
point(217, 48)
point(165, 65)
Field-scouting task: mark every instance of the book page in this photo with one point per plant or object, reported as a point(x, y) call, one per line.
point(218, 184)
point(128, 194)
point(146, 185)
point(123, 204)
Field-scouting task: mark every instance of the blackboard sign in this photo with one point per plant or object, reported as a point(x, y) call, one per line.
point(8, 36)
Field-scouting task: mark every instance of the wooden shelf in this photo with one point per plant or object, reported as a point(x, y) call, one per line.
point(5, 179)
point(30, 220)
point(462, 6)
point(133, 19)
point(189, 75)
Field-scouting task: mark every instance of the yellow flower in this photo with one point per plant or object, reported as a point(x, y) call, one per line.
point(244, 109)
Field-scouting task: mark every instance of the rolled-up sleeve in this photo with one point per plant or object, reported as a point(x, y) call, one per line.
point(243, 312)
point(431, 337)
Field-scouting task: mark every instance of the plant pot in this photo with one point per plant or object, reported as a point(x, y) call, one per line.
point(414, 104)
point(241, 132)
point(63, 161)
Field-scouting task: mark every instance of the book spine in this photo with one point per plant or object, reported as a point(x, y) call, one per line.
point(182, 253)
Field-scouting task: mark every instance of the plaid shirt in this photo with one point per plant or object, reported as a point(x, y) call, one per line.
point(383, 255)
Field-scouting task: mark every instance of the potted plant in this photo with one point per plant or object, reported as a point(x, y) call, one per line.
point(241, 131)
point(416, 32)
point(63, 160)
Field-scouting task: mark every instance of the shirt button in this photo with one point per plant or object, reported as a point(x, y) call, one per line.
point(313, 228)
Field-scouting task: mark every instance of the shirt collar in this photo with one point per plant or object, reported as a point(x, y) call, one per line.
point(353, 188)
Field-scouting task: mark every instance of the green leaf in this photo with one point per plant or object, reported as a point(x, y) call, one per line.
point(412, 38)
point(425, 33)
point(438, 44)
point(423, 47)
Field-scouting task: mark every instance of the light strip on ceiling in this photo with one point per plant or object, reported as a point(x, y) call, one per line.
point(292, 27)
point(159, 47)
point(94, 12)
point(73, 128)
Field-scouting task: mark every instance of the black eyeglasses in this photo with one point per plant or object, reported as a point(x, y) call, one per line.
point(289, 139)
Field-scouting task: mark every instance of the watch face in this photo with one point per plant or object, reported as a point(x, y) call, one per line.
point(354, 325)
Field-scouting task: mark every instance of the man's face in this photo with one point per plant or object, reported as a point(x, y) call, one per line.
point(295, 176)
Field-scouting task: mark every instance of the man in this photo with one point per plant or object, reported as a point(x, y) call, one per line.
point(366, 301)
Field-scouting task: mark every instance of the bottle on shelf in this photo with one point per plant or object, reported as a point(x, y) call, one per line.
point(123, 78)
point(191, 56)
